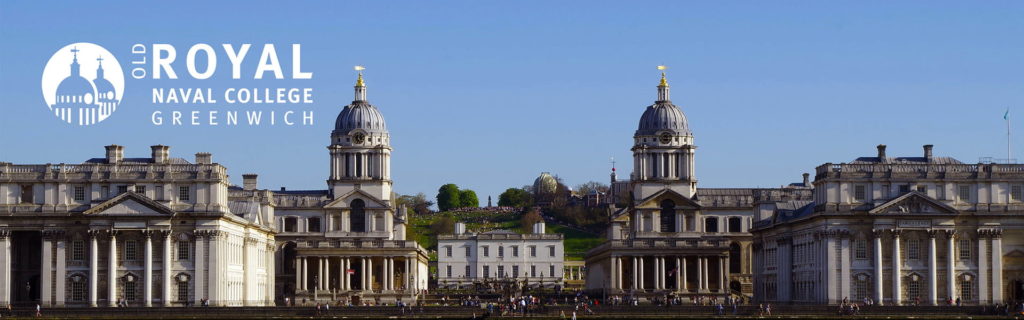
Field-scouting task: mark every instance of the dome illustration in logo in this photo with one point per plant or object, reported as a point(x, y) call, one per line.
point(83, 84)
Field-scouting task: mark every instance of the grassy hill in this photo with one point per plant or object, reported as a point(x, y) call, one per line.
point(576, 242)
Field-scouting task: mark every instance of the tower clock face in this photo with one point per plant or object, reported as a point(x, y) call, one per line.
point(666, 138)
point(359, 138)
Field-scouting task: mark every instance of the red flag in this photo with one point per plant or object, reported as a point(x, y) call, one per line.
point(351, 271)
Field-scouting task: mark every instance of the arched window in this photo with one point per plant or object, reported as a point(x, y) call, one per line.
point(735, 225)
point(357, 218)
point(735, 258)
point(711, 224)
point(668, 216)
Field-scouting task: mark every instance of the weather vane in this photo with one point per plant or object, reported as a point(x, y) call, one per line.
point(662, 67)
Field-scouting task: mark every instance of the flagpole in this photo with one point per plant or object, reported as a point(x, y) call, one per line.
point(1008, 153)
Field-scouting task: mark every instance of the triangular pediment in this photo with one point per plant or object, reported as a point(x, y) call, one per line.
point(654, 201)
point(913, 203)
point(130, 204)
point(343, 201)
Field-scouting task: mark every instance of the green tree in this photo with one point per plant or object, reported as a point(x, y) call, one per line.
point(585, 188)
point(448, 197)
point(417, 204)
point(515, 197)
point(468, 199)
point(443, 225)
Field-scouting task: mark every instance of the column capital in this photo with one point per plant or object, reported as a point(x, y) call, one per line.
point(53, 234)
point(165, 233)
point(93, 234)
point(877, 233)
point(5, 233)
point(895, 233)
point(932, 233)
point(950, 233)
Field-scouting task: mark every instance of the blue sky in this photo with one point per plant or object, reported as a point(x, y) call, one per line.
point(488, 94)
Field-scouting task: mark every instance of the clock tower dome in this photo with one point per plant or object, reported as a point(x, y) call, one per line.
point(360, 149)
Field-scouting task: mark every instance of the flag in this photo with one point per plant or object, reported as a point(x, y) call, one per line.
point(350, 271)
point(1006, 116)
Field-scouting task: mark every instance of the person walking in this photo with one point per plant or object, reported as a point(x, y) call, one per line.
point(39, 310)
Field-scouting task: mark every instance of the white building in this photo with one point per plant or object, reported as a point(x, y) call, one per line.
point(349, 240)
point(156, 231)
point(896, 230)
point(466, 258)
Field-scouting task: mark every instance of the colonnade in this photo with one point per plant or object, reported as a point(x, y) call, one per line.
point(635, 278)
point(347, 273)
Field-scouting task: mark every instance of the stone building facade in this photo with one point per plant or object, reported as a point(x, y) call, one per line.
point(535, 259)
point(667, 236)
point(349, 241)
point(156, 231)
point(897, 230)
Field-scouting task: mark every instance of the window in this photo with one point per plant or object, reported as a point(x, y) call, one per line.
point(964, 194)
point(291, 224)
point(357, 218)
point(79, 193)
point(913, 289)
point(487, 271)
point(904, 188)
point(860, 288)
point(448, 252)
point(922, 189)
point(140, 189)
point(515, 251)
point(159, 193)
point(314, 224)
point(668, 216)
point(487, 251)
point(913, 250)
point(1016, 192)
point(501, 272)
point(965, 289)
point(131, 252)
point(78, 250)
point(533, 271)
point(551, 251)
point(859, 194)
point(129, 291)
point(501, 253)
point(711, 224)
point(515, 271)
point(551, 270)
point(449, 269)
point(183, 193)
point(735, 224)
point(182, 291)
point(533, 251)
point(469, 251)
point(860, 249)
point(122, 189)
point(183, 250)
point(78, 288)
point(467, 271)
point(965, 249)
point(26, 193)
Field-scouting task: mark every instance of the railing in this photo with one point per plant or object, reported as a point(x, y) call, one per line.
point(917, 168)
point(375, 244)
point(96, 168)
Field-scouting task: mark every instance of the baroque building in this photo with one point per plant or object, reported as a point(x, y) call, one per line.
point(156, 231)
point(897, 230)
point(533, 260)
point(667, 237)
point(349, 240)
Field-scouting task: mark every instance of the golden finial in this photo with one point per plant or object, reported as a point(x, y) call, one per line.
point(359, 81)
point(664, 81)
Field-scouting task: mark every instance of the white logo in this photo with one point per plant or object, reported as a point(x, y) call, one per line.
point(83, 83)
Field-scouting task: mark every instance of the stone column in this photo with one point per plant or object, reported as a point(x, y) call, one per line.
point(725, 273)
point(613, 274)
point(46, 271)
point(390, 275)
point(362, 273)
point(951, 264)
point(112, 271)
point(215, 294)
point(62, 268)
point(878, 266)
point(657, 272)
point(5, 267)
point(933, 283)
point(997, 266)
point(347, 277)
point(845, 264)
point(897, 286)
point(94, 268)
point(369, 273)
point(327, 273)
point(200, 268)
point(641, 280)
point(721, 274)
point(167, 272)
point(682, 275)
point(983, 288)
point(707, 274)
point(830, 264)
point(147, 276)
point(700, 274)
point(304, 269)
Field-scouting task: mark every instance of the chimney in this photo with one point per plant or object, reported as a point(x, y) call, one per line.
point(881, 153)
point(161, 153)
point(115, 153)
point(204, 158)
point(538, 228)
point(807, 179)
point(928, 153)
point(460, 228)
point(249, 181)
point(282, 189)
